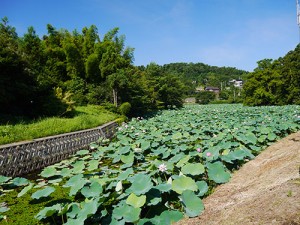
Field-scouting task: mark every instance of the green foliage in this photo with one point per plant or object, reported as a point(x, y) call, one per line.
point(125, 108)
point(274, 82)
point(156, 171)
point(205, 97)
point(84, 117)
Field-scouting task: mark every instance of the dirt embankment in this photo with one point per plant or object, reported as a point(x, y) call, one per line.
point(264, 191)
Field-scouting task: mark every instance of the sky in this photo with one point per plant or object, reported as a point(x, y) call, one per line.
point(231, 33)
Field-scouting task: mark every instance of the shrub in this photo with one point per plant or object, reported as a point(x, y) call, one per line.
point(125, 108)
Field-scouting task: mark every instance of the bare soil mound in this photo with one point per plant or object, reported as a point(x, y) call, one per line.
point(265, 190)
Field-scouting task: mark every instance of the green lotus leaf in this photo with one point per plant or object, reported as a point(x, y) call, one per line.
point(177, 157)
point(183, 161)
point(55, 181)
point(127, 212)
point(78, 221)
point(48, 211)
point(76, 183)
point(74, 209)
point(184, 183)
point(78, 167)
point(124, 150)
point(167, 217)
point(49, 172)
point(136, 201)
point(4, 179)
point(252, 139)
point(43, 193)
point(93, 190)
point(3, 209)
point(93, 165)
point(65, 172)
point(164, 187)
point(265, 130)
point(82, 152)
point(193, 169)
point(25, 190)
point(87, 209)
point(145, 145)
point(124, 174)
point(177, 136)
point(20, 181)
point(203, 188)
point(272, 136)
point(128, 159)
point(170, 217)
point(192, 203)
point(153, 197)
point(217, 173)
point(141, 183)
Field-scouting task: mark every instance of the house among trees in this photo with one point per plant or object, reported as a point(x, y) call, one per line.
point(237, 83)
point(213, 89)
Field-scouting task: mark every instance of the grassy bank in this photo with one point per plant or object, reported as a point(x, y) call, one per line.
point(84, 117)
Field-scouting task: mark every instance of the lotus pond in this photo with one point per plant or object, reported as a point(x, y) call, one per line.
point(156, 171)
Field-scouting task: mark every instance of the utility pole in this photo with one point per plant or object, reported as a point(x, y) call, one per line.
point(298, 16)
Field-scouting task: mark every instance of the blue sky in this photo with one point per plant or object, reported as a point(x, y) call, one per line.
point(235, 33)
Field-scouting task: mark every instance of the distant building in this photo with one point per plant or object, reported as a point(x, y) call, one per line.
point(237, 83)
point(200, 88)
point(213, 89)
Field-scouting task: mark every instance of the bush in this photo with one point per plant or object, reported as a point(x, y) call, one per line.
point(110, 107)
point(125, 108)
point(205, 97)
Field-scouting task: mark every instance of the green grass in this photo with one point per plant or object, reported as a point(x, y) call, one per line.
point(85, 117)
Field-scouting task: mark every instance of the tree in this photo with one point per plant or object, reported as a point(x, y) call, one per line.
point(205, 97)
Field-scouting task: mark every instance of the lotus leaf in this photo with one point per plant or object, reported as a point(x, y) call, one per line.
point(141, 183)
point(184, 183)
point(76, 183)
point(127, 212)
point(78, 167)
point(87, 209)
point(217, 173)
point(48, 211)
point(183, 161)
point(93, 165)
point(272, 136)
point(20, 181)
point(93, 190)
point(128, 159)
point(3, 209)
point(203, 188)
point(192, 204)
point(193, 169)
point(123, 175)
point(43, 193)
point(153, 197)
point(136, 201)
point(25, 190)
point(82, 152)
point(49, 172)
point(4, 179)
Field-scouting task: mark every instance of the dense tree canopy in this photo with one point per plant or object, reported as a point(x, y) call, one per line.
point(45, 76)
point(81, 66)
point(275, 82)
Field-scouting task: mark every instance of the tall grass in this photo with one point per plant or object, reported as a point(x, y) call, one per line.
point(84, 117)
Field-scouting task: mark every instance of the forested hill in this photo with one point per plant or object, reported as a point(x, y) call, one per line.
point(203, 73)
point(275, 82)
point(198, 74)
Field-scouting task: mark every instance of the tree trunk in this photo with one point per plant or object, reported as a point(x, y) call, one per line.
point(115, 95)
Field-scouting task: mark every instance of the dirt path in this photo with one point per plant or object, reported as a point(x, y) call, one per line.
point(265, 190)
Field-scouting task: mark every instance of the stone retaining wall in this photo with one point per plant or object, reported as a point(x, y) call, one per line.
point(24, 157)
